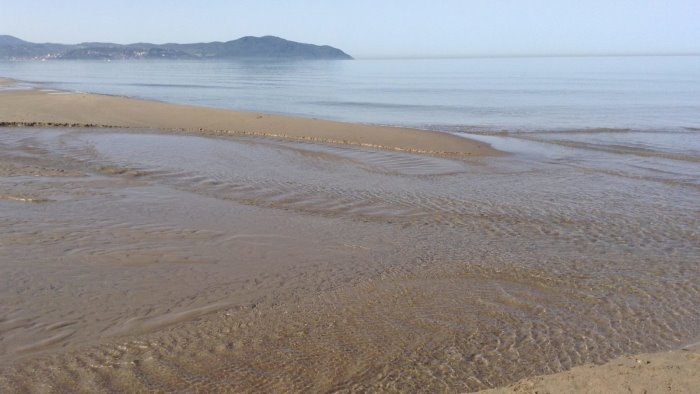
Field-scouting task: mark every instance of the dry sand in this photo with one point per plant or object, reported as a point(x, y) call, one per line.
point(58, 108)
point(666, 372)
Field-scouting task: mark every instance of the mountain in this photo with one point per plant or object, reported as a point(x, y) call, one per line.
point(9, 40)
point(267, 47)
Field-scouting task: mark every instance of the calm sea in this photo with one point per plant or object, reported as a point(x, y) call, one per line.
point(639, 115)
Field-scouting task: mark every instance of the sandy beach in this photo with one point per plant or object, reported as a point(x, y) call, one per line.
point(667, 372)
point(58, 108)
point(264, 253)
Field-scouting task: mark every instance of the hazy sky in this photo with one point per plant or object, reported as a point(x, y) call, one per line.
point(374, 28)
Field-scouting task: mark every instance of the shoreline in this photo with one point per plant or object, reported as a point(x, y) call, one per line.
point(674, 371)
point(56, 108)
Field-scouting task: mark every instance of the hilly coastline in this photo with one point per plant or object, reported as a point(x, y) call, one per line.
point(267, 47)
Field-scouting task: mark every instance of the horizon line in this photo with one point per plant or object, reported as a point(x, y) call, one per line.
point(527, 55)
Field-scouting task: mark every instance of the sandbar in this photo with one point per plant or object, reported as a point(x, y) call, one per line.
point(74, 109)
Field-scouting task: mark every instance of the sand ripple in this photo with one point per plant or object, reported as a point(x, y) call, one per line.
point(179, 262)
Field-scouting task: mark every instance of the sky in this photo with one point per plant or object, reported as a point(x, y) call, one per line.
point(375, 28)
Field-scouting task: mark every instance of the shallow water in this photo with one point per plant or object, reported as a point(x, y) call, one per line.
point(636, 92)
point(637, 112)
point(137, 260)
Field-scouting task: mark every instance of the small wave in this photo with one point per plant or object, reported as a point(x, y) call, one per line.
point(170, 85)
point(20, 198)
point(360, 104)
point(494, 131)
point(620, 149)
point(671, 181)
point(15, 87)
point(503, 132)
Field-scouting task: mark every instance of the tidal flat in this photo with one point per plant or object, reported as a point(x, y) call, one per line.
point(142, 260)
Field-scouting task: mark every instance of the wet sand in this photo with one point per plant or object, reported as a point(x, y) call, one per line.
point(59, 108)
point(141, 260)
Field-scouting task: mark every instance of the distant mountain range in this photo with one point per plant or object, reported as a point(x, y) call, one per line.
point(267, 47)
